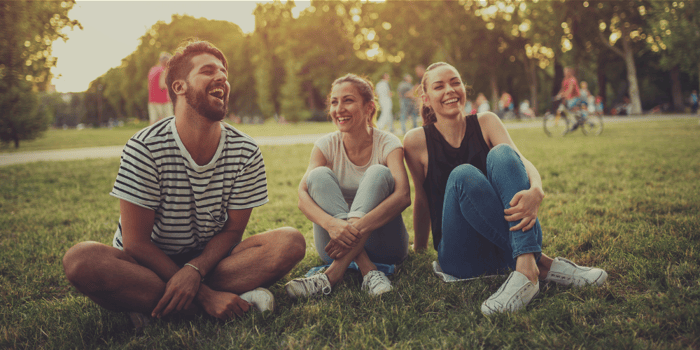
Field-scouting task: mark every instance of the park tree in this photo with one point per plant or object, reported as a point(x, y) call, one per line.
point(272, 22)
point(27, 33)
point(518, 53)
point(125, 88)
point(622, 26)
point(675, 33)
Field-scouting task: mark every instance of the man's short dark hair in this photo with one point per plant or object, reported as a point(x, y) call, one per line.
point(180, 65)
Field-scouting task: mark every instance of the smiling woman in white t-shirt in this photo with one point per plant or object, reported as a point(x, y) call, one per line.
point(354, 191)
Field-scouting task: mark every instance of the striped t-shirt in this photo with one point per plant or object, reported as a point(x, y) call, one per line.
point(189, 200)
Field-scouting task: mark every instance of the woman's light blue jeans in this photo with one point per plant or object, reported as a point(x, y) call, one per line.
point(476, 239)
point(387, 244)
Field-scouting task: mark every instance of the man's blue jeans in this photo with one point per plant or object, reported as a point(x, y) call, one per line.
point(476, 239)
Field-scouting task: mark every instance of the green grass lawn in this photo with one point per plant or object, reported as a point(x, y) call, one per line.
point(73, 138)
point(626, 201)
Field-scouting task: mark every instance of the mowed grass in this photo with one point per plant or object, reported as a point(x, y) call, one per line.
point(98, 137)
point(626, 201)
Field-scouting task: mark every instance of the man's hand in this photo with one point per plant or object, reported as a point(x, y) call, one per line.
point(342, 232)
point(524, 206)
point(179, 292)
point(222, 305)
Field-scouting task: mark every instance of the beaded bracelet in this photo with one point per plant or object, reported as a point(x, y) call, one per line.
point(197, 269)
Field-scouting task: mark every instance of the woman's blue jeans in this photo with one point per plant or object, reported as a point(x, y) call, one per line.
point(387, 244)
point(476, 239)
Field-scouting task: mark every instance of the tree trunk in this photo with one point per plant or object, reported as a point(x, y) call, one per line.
point(631, 76)
point(534, 100)
point(602, 80)
point(494, 91)
point(531, 74)
point(15, 134)
point(558, 77)
point(676, 90)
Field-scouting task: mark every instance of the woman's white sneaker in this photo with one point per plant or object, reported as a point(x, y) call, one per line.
point(376, 283)
point(515, 293)
point(566, 273)
point(261, 298)
point(314, 286)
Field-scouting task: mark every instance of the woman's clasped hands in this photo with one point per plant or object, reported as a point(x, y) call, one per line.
point(343, 236)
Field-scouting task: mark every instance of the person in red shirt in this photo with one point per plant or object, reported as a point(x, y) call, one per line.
point(569, 88)
point(159, 104)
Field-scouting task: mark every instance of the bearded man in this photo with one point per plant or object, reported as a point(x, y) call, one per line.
point(186, 186)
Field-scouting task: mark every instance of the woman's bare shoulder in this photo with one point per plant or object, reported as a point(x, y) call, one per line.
point(414, 139)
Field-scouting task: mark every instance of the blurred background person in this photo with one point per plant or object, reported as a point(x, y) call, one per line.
point(569, 88)
point(159, 104)
point(482, 103)
point(586, 98)
point(386, 118)
point(468, 107)
point(408, 104)
point(599, 104)
point(505, 104)
point(525, 110)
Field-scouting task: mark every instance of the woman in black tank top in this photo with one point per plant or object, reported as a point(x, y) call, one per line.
point(480, 197)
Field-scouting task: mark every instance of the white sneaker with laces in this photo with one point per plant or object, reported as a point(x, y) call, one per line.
point(515, 293)
point(566, 273)
point(314, 286)
point(376, 283)
point(261, 298)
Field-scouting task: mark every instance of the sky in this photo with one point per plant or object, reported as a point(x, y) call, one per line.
point(111, 30)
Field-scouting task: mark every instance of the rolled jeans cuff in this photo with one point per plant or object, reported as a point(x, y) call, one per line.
point(537, 250)
point(356, 214)
point(341, 216)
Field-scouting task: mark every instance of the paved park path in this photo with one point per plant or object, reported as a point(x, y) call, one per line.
point(115, 151)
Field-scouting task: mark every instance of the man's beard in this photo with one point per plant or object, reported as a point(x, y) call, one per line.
point(198, 101)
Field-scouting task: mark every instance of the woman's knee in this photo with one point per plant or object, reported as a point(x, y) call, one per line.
point(466, 176)
point(378, 170)
point(321, 176)
point(500, 154)
point(380, 175)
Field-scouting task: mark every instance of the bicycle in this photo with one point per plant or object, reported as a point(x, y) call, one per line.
point(568, 121)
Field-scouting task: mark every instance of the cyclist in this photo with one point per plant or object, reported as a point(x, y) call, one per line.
point(570, 94)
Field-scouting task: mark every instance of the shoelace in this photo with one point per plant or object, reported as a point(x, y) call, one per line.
point(374, 280)
point(318, 283)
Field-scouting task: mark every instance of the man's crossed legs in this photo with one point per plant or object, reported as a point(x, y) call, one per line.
point(115, 281)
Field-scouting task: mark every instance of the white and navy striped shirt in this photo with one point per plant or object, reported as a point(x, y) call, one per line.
point(190, 201)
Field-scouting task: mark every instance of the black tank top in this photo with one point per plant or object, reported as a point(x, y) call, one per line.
point(442, 159)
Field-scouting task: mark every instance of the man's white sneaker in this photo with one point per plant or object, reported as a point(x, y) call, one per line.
point(314, 286)
point(515, 293)
point(376, 283)
point(566, 273)
point(261, 298)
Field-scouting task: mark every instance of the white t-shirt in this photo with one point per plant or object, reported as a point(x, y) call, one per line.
point(349, 174)
point(190, 201)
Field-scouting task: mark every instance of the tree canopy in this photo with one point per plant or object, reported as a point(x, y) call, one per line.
point(285, 67)
point(28, 30)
